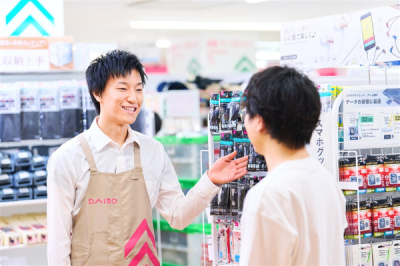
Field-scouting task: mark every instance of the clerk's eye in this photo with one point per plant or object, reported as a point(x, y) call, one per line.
point(139, 89)
point(124, 89)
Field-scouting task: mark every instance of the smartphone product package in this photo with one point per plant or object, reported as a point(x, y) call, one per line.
point(381, 255)
point(256, 161)
point(234, 199)
point(226, 144)
point(367, 28)
point(220, 204)
point(392, 170)
point(234, 115)
point(50, 122)
point(225, 100)
point(383, 216)
point(214, 113)
point(89, 110)
point(238, 144)
point(395, 253)
point(325, 95)
point(375, 171)
point(10, 113)
point(30, 111)
point(70, 109)
point(396, 215)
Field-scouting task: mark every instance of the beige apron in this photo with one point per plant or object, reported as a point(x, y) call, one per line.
point(114, 225)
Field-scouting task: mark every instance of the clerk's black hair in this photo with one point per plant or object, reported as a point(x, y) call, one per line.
point(287, 101)
point(115, 63)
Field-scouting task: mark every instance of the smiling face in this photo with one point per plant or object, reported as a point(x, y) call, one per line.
point(122, 98)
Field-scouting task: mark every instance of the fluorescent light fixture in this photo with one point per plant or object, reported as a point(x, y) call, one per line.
point(163, 44)
point(206, 25)
point(255, 1)
point(268, 55)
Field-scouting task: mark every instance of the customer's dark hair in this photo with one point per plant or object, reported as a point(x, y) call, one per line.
point(287, 101)
point(116, 63)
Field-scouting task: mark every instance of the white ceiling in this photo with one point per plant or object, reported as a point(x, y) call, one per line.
point(108, 20)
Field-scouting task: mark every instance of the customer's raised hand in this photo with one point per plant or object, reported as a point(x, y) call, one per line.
point(226, 169)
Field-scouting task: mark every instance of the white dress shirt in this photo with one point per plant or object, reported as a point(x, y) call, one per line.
point(295, 216)
point(68, 179)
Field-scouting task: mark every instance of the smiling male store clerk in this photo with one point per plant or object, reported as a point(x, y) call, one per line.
point(104, 183)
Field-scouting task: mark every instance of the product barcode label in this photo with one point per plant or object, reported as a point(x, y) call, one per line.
point(3, 177)
point(42, 188)
point(23, 190)
point(23, 155)
point(40, 173)
point(38, 159)
point(23, 175)
point(8, 191)
point(5, 161)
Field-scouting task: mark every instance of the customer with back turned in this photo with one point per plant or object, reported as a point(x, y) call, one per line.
point(296, 215)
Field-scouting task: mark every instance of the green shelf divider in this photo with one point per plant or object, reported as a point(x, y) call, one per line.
point(171, 264)
point(191, 229)
point(174, 140)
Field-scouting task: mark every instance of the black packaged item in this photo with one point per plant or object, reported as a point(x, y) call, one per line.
point(22, 158)
point(256, 161)
point(6, 181)
point(214, 206)
point(234, 199)
point(243, 188)
point(225, 108)
point(223, 200)
point(40, 192)
point(10, 114)
point(24, 193)
point(89, 110)
point(226, 144)
point(7, 194)
point(38, 163)
point(39, 177)
point(234, 112)
point(246, 144)
point(50, 123)
point(70, 110)
point(23, 179)
point(238, 144)
point(30, 112)
point(6, 164)
point(214, 113)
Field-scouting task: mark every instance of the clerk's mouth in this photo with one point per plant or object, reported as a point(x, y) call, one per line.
point(130, 109)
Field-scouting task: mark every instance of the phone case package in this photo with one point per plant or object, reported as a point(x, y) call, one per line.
point(234, 198)
point(234, 110)
point(381, 255)
point(226, 144)
point(50, 126)
point(383, 216)
point(214, 113)
point(392, 170)
point(395, 253)
point(256, 161)
point(238, 144)
point(71, 112)
point(375, 171)
point(30, 111)
point(225, 100)
point(10, 113)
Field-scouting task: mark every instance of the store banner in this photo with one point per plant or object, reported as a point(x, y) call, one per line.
point(350, 39)
point(371, 117)
point(186, 56)
point(31, 18)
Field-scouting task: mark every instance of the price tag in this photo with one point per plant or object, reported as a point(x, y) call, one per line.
point(23, 175)
point(5, 161)
point(23, 190)
point(42, 188)
point(38, 159)
point(23, 155)
point(3, 177)
point(40, 173)
point(8, 191)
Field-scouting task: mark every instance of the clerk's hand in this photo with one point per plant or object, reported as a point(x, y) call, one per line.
point(226, 169)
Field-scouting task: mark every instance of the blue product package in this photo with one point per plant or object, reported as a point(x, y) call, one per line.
point(23, 179)
point(6, 164)
point(7, 194)
point(38, 163)
point(10, 114)
point(24, 193)
point(21, 158)
point(30, 111)
point(39, 177)
point(6, 181)
point(40, 192)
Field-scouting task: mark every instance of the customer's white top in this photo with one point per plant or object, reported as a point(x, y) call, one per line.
point(295, 216)
point(68, 179)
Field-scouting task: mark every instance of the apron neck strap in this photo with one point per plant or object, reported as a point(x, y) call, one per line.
point(86, 150)
point(136, 152)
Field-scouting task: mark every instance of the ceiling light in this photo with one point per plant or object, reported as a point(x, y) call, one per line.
point(204, 25)
point(163, 44)
point(255, 1)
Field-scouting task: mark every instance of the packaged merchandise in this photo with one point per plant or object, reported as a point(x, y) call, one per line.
point(6, 181)
point(27, 233)
point(41, 231)
point(381, 255)
point(375, 171)
point(236, 246)
point(38, 163)
point(234, 112)
point(39, 177)
point(243, 188)
point(234, 198)
point(382, 213)
point(30, 111)
point(256, 161)
point(10, 236)
point(10, 113)
point(223, 247)
point(348, 171)
point(226, 144)
point(394, 252)
point(24, 193)
point(325, 97)
point(89, 110)
point(360, 255)
point(396, 214)
point(6, 164)
point(238, 144)
point(365, 221)
point(229, 235)
point(220, 203)
point(60, 53)
point(40, 192)
point(23, 179)
point(392, 170)
point(7, 194)
point(50, 122)
point(246, 144)
point(214, 113)
point(225, 109)
point(21, 158)
point(70, 110)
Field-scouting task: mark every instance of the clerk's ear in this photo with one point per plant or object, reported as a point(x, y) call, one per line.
point(97, 97)
point(260, 124)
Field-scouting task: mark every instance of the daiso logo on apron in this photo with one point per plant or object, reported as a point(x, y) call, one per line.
point(103, 201)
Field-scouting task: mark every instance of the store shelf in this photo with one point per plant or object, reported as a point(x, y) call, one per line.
point(372, 190)
point(34, 142)
point(348, 185)
point(174, 247)
point(182, 160)
point(24, 246)
point(174, 140)
point(13, 204)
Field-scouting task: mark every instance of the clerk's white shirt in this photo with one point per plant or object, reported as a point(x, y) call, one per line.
point(294, 216)
point(68, 179)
